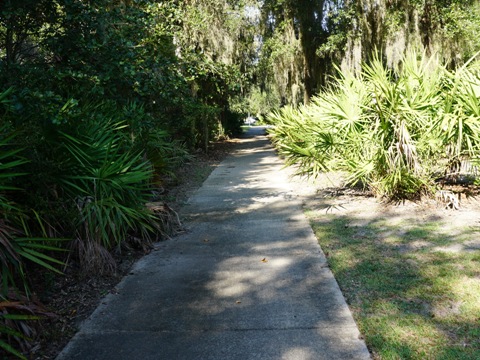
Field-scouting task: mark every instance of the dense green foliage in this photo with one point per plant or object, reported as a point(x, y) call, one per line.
point(304, 40)
point(100, 99)
point(75, 69)
point(393, 131)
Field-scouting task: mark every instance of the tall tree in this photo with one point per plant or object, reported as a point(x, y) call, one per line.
point(304, 39)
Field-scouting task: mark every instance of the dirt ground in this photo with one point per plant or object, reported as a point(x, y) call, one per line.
point(456, 209)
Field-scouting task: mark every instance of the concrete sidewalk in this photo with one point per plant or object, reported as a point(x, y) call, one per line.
point(247, 281)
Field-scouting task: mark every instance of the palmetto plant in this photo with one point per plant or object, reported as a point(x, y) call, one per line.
point(147, 136)
point(16, 315)
point(393, 130)
point(461, 125)
point(109, 186)
point(17, 247)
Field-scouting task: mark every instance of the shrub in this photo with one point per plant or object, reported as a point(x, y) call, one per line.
point(109, 186)
point(394, 131)
point(18, 248)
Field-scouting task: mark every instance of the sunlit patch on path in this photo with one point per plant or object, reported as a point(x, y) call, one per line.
point(247, 280)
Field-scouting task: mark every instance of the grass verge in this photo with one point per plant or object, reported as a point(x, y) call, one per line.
point(410, 297)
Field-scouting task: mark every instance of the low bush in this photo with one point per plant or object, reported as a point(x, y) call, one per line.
point(109, 186)
point(19, 250)
point(396, 132)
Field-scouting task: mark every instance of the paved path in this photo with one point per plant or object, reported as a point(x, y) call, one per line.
point(247, 281)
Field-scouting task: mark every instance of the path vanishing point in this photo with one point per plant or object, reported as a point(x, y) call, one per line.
point(247, 280)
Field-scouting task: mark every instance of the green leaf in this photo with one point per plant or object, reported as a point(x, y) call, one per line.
point(9, 349)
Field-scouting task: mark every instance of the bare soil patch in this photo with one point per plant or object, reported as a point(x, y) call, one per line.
point(460, 221)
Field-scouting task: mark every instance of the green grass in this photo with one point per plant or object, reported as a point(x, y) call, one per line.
point(410, 301)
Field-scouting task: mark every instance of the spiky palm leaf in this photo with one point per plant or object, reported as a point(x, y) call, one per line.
point(394, 130)
point(109, 185)
point(17, 247)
